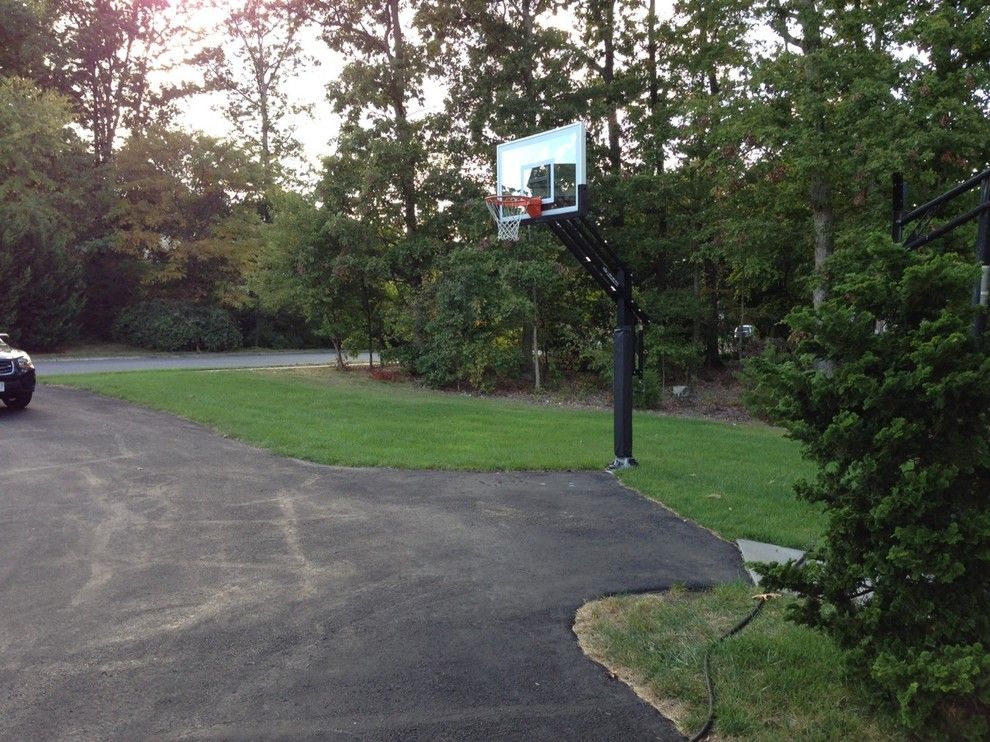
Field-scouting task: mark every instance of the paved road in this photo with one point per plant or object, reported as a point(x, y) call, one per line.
point(52, 366)
point(159, 581)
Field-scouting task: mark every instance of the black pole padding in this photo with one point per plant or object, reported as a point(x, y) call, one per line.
point(899, 199)
point(623, 363)
point(588, 247)
point(623, 355)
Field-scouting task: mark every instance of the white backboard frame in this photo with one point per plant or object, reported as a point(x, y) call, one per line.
point(556, 146)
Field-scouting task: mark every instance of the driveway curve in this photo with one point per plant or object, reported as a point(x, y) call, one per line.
point(160, 581)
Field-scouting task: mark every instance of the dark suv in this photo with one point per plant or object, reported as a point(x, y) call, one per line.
point(16, 375)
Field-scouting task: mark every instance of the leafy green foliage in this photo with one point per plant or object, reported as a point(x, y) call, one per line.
point(261, 53)
point(23, 39)
point(106, 60)
point(171, 325)
point(472, 332)
point(723, 170)
point(40, 271)
point(945, 124)
point(186, 208)
point(890, 396)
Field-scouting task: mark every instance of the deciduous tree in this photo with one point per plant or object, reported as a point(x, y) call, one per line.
point(825, 106)
point(186, 207)
point(105, 62)
point(261, 52)
point(40, 199)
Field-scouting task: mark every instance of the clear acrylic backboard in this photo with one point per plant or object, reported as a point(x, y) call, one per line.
point(550, 165)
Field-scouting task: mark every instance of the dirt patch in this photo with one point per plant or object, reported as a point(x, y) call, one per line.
point(716, 397)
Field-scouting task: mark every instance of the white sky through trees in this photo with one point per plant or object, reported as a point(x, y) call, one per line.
point(316, 130)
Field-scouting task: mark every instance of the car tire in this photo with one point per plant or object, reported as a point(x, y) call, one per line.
point(17, 403)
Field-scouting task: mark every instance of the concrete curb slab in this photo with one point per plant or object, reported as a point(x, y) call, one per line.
point(757, 551)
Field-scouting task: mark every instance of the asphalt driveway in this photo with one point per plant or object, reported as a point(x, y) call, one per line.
point(160, 581)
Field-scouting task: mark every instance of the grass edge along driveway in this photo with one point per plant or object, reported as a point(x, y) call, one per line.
point(775, 681)
point(734, 479)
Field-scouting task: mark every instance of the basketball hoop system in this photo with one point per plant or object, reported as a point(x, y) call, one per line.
point(542, 179)
point(509, 212)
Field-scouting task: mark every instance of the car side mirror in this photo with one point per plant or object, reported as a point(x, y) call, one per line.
point(4, 337)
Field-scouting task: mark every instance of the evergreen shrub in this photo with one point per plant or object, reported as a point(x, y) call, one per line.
point(176, 325)
point(889, 394)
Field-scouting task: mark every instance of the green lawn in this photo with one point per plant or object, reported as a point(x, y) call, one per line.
point(735, 479)
point(773, 681)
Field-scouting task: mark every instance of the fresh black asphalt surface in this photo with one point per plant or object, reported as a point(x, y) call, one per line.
point(158, 581)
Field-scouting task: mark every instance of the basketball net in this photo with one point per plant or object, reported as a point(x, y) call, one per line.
point(509, 211)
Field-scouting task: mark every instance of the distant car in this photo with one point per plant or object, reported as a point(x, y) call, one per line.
point(16, 375)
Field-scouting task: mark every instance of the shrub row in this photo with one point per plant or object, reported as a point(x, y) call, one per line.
point(175, 325)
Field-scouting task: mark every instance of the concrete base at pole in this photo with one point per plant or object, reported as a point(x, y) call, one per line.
point(622, 463)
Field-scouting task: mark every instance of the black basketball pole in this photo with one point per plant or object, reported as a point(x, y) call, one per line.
point(623, 361)
point(582, 238)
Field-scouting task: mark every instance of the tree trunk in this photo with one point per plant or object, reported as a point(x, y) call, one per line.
point(712, 359)
point(266, 151)
point(402, 128)
point(527, 71)
point(823, 228)
point(654, 84)
point(526, 349)
point(611, 99)
point(819, 186)
point(366, 302)
point(696, 325)
point(536, 345)
point(742, 320)
point(651, 55)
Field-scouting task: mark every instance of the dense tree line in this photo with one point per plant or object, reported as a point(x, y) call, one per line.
point(736, 144)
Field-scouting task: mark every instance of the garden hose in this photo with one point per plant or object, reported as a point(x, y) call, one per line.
point(761, 599)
